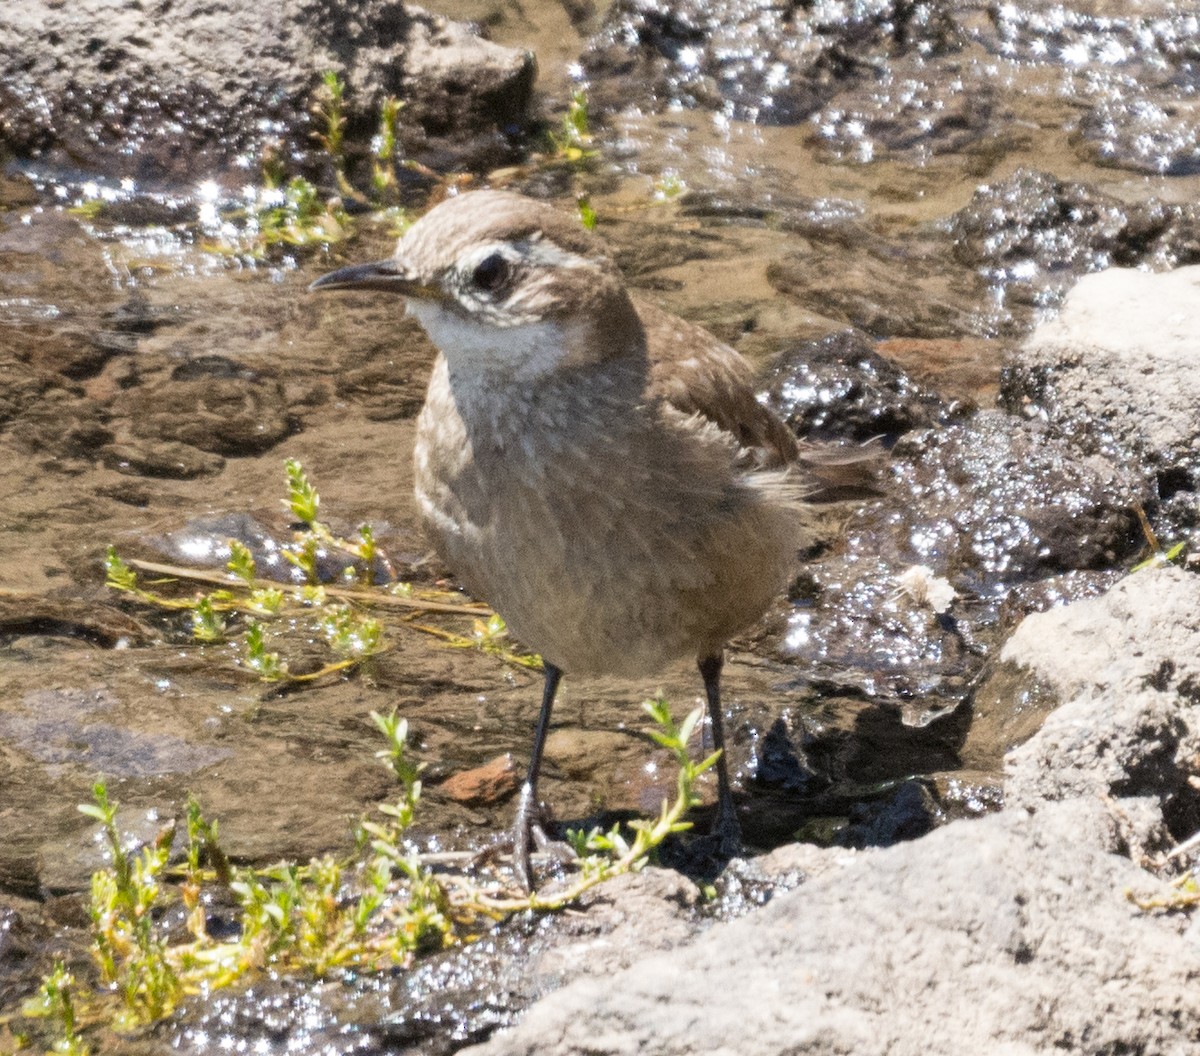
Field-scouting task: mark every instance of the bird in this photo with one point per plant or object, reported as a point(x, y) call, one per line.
point(596, 469)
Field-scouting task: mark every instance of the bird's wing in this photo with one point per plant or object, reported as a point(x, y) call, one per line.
point(697, 374)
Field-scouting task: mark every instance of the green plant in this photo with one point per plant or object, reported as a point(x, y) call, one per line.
point(380, 909)
point(245, 609)
point(604, 855)
point(573, 142)
point(54, 1001)
point(126, 943)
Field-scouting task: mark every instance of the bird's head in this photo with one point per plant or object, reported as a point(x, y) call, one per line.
point(505, 284)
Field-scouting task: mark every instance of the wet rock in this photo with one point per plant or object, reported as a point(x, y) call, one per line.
point(966, 370)
point(55, 289)
point(20, 388)
point(754, 61)
point(27, 947)
point(1002, 930)
point(911, 106)
point(68, 352)
point(988, 504)
point(1032, 236)
point(1124, 63)
point(218, 413)
point(33, 614)
point(484, 785)
point(1125, 667)
point(1115, 373)
point(384, 390)
point(910, 811)
point(840, 388)
point(1154, 132)
point(204, 541)
point(129, 91)
point(166, 459)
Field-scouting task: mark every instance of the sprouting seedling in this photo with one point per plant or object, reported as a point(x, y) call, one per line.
point(55, 1001)
point(329, 107)
point(118, 575)
point(573, 142)
point(241, 561)
point(268, 666)
point(587, 214)
point(207, 624)
point(302, 500)
point(383, 149)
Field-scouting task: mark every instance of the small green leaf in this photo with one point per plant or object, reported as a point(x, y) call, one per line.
point(207, 624)
point(302, 499)
point(118, 575)
point(241, 561)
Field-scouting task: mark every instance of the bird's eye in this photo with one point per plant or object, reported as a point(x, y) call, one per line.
point(490, 272)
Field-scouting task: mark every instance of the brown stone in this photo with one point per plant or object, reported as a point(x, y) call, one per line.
point(485, 784)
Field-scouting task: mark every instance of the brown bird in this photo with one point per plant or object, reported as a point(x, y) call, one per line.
point(594, 468)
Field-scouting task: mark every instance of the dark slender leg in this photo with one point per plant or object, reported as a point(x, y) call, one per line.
point(726, 828)
point(527, 803)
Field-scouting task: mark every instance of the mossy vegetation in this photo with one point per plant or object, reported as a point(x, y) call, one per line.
point(379, 909)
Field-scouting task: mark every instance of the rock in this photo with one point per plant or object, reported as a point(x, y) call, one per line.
point(1033, 235)
point(840, 388)
point(756, 61)
point(1115, 374)
point(484, 785)
point(1126, 667)
point(656, 909)
point(910, 111)
point(1138, 118)
point(162, 458)
point(963, 369)
point(855, 286)
point(1012, 933)
point(226, 411)
point(128, 90)
point(62, 425)
point(990, 504)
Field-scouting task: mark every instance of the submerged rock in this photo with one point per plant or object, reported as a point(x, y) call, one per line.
point(757, 61)
point(196, 87)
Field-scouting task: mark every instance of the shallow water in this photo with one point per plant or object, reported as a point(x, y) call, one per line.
point(150, 391)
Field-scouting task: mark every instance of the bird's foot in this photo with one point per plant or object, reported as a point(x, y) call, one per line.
point(526, 840)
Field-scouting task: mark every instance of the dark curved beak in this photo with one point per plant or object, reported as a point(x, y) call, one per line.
point(390, 276)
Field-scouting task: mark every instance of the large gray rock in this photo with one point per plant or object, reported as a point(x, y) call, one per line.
point(181, 88)
point(1010, 935)
point(1126, 667)
point(1115, 372)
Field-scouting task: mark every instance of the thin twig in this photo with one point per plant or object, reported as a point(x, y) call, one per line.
point(367, 597)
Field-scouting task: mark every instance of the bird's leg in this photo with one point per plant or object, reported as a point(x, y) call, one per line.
point(527, 805)
point(726, 828)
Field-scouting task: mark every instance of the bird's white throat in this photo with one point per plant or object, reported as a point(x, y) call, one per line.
point(520, 353)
